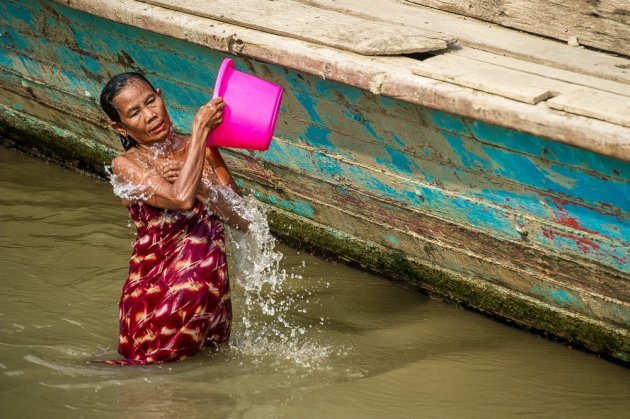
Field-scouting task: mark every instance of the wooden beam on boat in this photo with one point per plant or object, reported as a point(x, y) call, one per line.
point(487, 37)
point(388, 78)
point(478, 75)
point(595, 104)
point(320, 26)
point(528, 88)
point(548, 72)
point(603, 24)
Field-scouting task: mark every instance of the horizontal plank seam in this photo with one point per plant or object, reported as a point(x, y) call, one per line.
point(607, 144)
point(309, 149)
point(55, 65)
point(584, 262)
point(477, 282)
point(5, 110)
point(551, 77)
point(404, 149)
point(62, 109)
point(468, 170)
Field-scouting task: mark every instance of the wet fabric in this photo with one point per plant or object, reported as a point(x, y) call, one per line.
point(176, 298)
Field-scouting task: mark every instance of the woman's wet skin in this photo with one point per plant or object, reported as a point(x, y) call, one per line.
point(160, 157)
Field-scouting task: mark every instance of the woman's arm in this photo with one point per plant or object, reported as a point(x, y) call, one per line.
point(220, 168)
point(180, 194)
point(226, 209)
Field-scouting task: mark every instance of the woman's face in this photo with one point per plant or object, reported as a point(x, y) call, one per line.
point(143, 115)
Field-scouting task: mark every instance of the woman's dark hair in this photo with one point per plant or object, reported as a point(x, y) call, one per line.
point(109, 93)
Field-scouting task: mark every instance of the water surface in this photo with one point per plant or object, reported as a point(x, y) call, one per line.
point(369, 348)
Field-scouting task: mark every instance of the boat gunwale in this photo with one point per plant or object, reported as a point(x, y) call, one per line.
point(374, 74)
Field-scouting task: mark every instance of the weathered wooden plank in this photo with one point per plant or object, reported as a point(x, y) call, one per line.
point(446, 246)
point(115, 54)
point(458, 160)
point(550, 73)
point(421, 223)
point(486, 77)
point(407, 128)
point(352, 69)
point(409, 147)
point(58, 135)
point(603, 24)
point(35, 74)
point(595, 104)
point(457, 204)
point(324, 27)
point(488, 37)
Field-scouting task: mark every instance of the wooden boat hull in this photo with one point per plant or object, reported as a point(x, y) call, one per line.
point(524, 228)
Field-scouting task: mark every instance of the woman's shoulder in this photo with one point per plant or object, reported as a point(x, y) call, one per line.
point(125, 161)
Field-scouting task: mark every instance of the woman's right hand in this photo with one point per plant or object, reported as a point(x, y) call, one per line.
point(210, 115)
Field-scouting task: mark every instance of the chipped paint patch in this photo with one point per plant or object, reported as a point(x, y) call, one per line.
point(392, 240)
point(560, 297)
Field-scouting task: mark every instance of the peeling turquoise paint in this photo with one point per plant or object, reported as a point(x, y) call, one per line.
point(17, 13)
point(449, 122)
point(549, 150)
point(554, 178)
point(474, 209)
point(467, 157)
point(540, 206)
point(558, 296)
point(302, 208)
point(392, 240)
point(317, 137)
point(397, 162)
point(607, 253)
point(309, 103)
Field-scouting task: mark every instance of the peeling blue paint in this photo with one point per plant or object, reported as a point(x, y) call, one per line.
point(398, 140)
point(550, 150)
point(559, 297)
point(309, 102)
point(398, 161)
point(299, 207)
point(449, 122)
point(393, 240)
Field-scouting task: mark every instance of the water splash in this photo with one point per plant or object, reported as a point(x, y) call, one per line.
point(265, 326)
point(125, 189)
point(137, 186)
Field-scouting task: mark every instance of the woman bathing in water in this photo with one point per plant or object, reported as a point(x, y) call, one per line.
point(176, 299)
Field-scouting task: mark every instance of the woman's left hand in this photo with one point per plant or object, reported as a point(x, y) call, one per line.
point(169, 170)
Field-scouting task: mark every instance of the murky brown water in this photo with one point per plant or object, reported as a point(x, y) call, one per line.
point(379, 351)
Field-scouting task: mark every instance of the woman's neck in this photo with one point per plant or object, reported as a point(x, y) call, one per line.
point(164, 148)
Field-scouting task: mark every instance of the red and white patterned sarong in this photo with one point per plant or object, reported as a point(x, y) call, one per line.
point(177, 296)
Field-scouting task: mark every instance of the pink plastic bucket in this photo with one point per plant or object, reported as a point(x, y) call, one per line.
point(251, 109)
